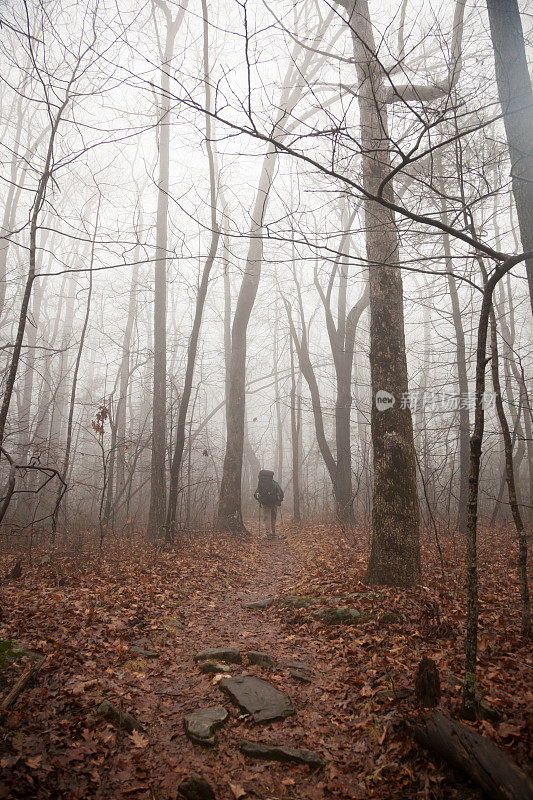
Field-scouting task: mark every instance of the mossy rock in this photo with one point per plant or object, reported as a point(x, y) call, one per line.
point(342, 615)
point(369, 595)
point(11, 651)
point(172, 624)
point(299, 601)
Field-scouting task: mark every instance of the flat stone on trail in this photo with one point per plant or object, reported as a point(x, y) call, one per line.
point(260, 659)
point(271, 752)
point(259, 605)
point(257, 697)
point(230, 655)
point(213, 668)
point(200, 726)
point(342, 615)
point(196, 788)
point(300, 670)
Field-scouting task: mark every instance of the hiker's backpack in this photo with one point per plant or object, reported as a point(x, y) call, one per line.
point(268, 495)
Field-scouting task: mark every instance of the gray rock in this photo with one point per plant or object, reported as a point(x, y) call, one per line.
point(260, 659)
point(259, 605)
point(342, 615)
point(300, 670)
point(228, 654)
point(213, 667)
point(196, 788)
point(257, 697)
point(200, 726)
point(270, 752)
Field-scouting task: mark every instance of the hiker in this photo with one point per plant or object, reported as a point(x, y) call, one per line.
point(269, 495)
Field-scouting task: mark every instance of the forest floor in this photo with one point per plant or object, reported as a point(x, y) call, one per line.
point(53, 744)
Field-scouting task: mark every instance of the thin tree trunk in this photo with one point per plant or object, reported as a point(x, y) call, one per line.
point(469, 708)
point(156, 514)
point(121, 415)
point(30, 277)
point(295, 443)
point(277, 399)
point(72, 406)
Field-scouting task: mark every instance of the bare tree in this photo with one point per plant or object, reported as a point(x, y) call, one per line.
point(157, 511)
point(516, 98)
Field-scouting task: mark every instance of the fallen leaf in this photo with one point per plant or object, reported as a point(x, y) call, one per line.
point(237, 790)
point(138, 739)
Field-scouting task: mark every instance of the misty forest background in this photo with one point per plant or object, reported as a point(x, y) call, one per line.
point(226, 230)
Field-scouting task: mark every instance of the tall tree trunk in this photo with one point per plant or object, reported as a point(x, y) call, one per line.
point(125, 366)
point(510, 478)
point(156, 514)
point(158, 491)
point(306, 367)
point(295, 442)
point(200, 299)
point(277, 398)
point(516, 99)
point(395, 553)
point(469, 707)
point(60, 409)
point(462, 378)
point(229, 513)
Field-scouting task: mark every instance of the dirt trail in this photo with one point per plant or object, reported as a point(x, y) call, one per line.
point(272, 569)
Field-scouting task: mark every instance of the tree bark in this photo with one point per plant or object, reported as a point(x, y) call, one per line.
point(460, 362)
point(475, 755)
point(395, 553)
point(229, 513)
point(510, 479)
point(295, 442)
point(516, 99)
point(200, 299)
point(125, 365)
point(158, 492)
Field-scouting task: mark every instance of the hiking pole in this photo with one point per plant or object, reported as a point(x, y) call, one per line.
point(258, 521)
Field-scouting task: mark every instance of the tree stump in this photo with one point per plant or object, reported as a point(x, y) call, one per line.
point(427, 683)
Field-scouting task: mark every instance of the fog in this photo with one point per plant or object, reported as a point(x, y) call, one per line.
point(96, 76)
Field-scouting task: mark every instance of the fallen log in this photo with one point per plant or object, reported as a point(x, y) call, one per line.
point(18, 687)
point(478, 757)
